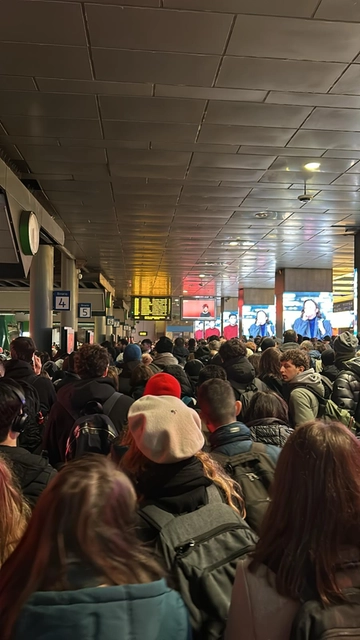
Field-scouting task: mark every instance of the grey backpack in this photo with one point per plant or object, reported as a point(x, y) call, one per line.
point(201, 549)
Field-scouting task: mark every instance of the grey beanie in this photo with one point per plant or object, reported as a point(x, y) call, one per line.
point(345, 345)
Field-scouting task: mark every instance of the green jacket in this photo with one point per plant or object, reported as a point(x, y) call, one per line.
point(129, 612)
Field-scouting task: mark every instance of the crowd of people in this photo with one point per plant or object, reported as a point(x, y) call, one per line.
point(192, 489)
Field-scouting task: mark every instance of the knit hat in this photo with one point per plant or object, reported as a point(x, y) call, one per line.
point(328, 357)
point(193, 367)
point(345, 344)
point(163, 384)
point(267, 343)
point(164, 345)
point(165, 430)
point(132, 353)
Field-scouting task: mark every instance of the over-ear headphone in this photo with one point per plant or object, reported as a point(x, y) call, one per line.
point(19, 421)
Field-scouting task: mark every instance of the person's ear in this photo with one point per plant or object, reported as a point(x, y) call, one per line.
point(106, 372)
point(238, 407)
point(206, 421)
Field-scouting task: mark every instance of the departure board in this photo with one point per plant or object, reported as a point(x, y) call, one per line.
point(151, 308)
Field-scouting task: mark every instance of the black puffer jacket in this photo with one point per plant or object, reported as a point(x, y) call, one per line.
point(180, 375)
point(270, 431)
point(33, 472)
point(346, 390)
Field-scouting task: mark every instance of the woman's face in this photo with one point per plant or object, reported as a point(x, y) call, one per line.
point(261, 317)
point(310, 309)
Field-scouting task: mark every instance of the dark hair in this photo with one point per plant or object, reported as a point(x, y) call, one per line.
point(10, 405)
point(290, 336)
point(210, 372)
point(269, 364)
point(232, 349)
point(298, 357)
point(318, 312)
point(266, 404)
point(124, 342)
point(113, 375)
point(232, 315)
point(216, 400)
point(44, 356)
point(192, 344)
point(179, 342)
point(22, 349)
point(315, 510)
point(91, 361)
point(146, 341)
point(141, 373)
point(255, 361)
point(87, 513)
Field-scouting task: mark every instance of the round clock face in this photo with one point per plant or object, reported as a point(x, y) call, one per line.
point(29, 233)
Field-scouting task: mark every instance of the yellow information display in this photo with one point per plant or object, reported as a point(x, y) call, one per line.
point(150, 308)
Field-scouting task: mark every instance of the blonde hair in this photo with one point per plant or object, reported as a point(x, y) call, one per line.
point(134, 463)
point(14, 513)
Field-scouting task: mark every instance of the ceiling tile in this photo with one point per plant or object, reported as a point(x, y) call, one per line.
point(22, 126)
point(326, 139)
point(98, 170)
point(104, 144)
point(304, 9)
point(148, 171)
point(245, 135)
point(349, 82)
point(352, 179)
point(298, 164)
point(293, 176)
point(146, 66)
point(34, 103)
point(278, 75)
point(347, 10)
point(211, 93)
point(16, 83)
point(41, 22)
point(336, 153)
point(44, 60)
point(262, 115)
point(295, 39)
point(313, 99)
point(214, 173)
point(149, 157)
point(93, 87)
point(34, 153)
point(154, 30)
point(197, 146)
point(151, 109)
point(282, 151)
point(143, 130)
point(334, 119)
point(231, 161)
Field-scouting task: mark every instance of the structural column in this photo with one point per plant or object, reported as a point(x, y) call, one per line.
point(41, 297)
point(70, 282)
point(99, 329)
point(109, 329)
point(357, 292)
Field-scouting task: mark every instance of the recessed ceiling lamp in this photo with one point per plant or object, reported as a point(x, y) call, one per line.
point(184, 291)
point(312, 166)
point(201, 275)
point(261, 214)
point(233, 243)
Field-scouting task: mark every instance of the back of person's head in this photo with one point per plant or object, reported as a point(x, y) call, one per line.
point(315, 510)
point(91, 361)
point(307, 345)
point(192, 344)
point(267, 343)
point(269, 364)
point(179, 342)
point(163, 384)
point(87, 514)
point(254, 359)
point(216, 400)
point(298, 357)
point(214, 345)
point(251, 345)
point(164, 345)
point(290, 336)
point(12, 405)
point(146, 343)
point(345, 346)
point(113, 375)
point(22, 349)
point(266, 404)
point(141, 373)
point(124, 342)
point(193, 368)
point(232, 349)
point(328, 357)
point(132, 353)
point(14, 512)
point(211, 371)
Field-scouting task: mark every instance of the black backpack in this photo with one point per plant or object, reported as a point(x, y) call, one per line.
point(244, 393)
point(254, 472)
point(93, 431)
point(336, 622)
point(31, 437)
point(201, 549)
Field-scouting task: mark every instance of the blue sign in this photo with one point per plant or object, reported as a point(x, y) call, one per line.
point(84, 310)
point(61, 301)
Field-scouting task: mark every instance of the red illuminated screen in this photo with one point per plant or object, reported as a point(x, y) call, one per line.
point(193, 309)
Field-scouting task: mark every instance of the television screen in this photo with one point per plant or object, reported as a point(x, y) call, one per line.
point(308, 313)
point(151, 308)
point(230, 324)
point(258, 320)
point(199, 329)
point(198, 308)
point(343, 317)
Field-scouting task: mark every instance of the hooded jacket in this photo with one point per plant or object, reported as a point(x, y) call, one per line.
point(270, 431)
point(235, 438)
point(289, 345)
point(149, 611)
point(241, 375)
point(181, 354)
point(33, 472)
point(19, 370)
point(178, 372)
point(346, 389)
point(331, 372)
point(303, 405)
point(161, 360)
point(71, 400)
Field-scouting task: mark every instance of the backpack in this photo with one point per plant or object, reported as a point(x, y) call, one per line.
point(328, 386)
point(93, 431)
point(244, 393)
point(315, 622)
point(32, 435)
point(202, 549)
point(254, 472)
point(329, 411)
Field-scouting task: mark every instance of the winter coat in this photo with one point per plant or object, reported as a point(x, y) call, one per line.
point(178, 372)
point(68, 378)
point(289, 345)
point(235, 438)
point(346, 389)
point(125, 375)
point(302, 328)
point(303, 405)
point(181, 354)
point(255, 330)
point(148, 611)
point(273, 384)
point(161, 360)
point(270, 431)
point(241, 375)
point(331, 372)
point(32, 472)
point(19, 370)
point(71, 400)
point(258, 612)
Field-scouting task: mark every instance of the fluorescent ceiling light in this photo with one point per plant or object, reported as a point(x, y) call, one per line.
point(312, 166)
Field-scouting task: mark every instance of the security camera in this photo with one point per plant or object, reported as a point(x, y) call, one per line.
point(305, 197)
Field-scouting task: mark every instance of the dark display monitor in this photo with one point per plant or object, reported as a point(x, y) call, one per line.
point(151, 308)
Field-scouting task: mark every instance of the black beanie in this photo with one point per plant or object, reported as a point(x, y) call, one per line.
point(328, 357)
point(267, 343)
point(164, 345)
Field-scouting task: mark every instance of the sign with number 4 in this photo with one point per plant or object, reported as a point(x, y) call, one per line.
point(61, 301)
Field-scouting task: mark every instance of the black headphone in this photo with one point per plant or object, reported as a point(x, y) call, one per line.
point(19, 421)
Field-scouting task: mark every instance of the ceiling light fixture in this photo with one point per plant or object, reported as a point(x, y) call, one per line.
point(184, 291)
point(233, 243)
point(201, 275)
point(312, 166)
point(261, 214)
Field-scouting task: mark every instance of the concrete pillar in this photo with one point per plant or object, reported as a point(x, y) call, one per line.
point(357, 280)
point(99, 329)
point(109, 329)
point(70, 282)
point(41, 297)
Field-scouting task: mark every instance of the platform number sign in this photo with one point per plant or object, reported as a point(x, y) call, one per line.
point(61, 301)
point(84, 310)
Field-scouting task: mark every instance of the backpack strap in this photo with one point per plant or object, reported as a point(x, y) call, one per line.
point(110, 402)
point(322, 401)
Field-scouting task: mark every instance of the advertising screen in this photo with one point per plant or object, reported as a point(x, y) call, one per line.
point(343, 317)
point(198, 308)
point(230, 324)
point(308, 313)
point(258, 320)
point(199, 329)
point(212, 328)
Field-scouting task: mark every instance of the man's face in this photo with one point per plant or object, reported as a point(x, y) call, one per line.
point(233, 320)
point(288, 370)
point(262, 317)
